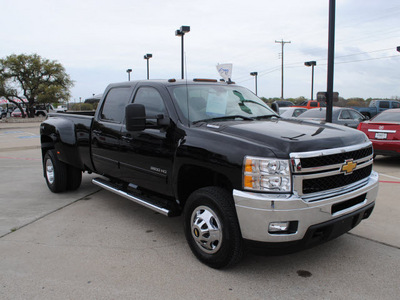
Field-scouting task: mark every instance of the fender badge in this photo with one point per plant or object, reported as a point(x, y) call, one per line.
point(348, 167)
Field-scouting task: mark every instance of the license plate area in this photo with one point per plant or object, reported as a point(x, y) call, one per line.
point(381, 135)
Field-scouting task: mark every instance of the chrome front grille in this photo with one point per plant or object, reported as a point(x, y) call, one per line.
point(319, 174)
point(335, 158)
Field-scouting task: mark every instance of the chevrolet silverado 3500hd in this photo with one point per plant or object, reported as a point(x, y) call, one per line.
point(217, 154)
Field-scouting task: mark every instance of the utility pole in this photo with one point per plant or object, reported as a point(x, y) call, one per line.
point(282, 42)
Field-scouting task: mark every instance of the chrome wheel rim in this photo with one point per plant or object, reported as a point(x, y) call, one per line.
point(206, 229)
point(49, 171)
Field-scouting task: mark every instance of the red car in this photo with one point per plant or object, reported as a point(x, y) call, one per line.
point(384, 132)
point(17, 113)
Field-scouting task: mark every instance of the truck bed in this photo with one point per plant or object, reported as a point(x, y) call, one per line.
point(74, 130)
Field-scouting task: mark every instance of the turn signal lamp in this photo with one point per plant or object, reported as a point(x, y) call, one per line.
point(263, 174)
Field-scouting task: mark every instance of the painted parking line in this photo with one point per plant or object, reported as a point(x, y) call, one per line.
point(13, 132)
point(29, 137)
point(20, 158)
point(397, 179)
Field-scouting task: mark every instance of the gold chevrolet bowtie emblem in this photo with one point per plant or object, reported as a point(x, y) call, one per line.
point(348, 167)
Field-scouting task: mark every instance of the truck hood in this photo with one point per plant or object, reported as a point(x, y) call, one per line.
point(286, 136)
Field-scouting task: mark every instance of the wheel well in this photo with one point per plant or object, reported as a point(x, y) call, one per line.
point(47, 144)
point(192, 178)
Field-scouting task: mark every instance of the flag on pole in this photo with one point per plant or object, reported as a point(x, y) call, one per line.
point(225, 71)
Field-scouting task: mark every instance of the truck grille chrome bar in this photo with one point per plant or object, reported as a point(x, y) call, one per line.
point(321, 173)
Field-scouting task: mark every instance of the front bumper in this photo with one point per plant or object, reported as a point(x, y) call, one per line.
point(256, 211)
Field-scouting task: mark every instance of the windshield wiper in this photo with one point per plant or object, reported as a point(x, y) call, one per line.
point(224, 118)
point(266, 117)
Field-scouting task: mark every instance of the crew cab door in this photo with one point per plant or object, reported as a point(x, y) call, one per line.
point(106, 131)
point(146, 156)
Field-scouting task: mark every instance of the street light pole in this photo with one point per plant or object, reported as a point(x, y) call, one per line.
point(129, 74)
point(181, 32)
point(255, 78)
point(311, 64)
point(147, 57)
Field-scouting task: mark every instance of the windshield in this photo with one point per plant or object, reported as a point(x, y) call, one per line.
point(208, 102)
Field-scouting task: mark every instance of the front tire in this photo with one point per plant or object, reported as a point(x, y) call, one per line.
point(212, 229)
point(55, 172)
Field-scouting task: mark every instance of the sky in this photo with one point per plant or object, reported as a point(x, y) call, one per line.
point(97, 41)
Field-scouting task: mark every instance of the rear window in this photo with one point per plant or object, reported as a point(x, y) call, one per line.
point(388, 116)
point(284, 103)
point(314, 113)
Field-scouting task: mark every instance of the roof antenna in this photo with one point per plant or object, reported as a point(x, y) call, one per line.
point(187, 91)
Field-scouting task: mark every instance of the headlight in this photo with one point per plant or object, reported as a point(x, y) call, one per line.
point(264, 174)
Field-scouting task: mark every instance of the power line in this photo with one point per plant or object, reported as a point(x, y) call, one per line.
point(299, 64)
point(348, 55)
point(293, 66)
point(367, 59)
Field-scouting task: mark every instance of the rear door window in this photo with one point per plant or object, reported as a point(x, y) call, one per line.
point(345, 115)
point(113, 109)
point(384, 104)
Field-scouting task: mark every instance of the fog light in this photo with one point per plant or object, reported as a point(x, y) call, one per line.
point(278, 226)
point(288, 227)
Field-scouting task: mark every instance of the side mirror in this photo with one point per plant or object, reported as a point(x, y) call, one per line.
point(163, 121)
point(275, 107)
point(135, 116)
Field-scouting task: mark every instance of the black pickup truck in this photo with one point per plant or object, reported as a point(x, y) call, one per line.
point(214, 152)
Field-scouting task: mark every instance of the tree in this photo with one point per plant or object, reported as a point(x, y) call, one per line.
point(356, 102)
point(33, 78)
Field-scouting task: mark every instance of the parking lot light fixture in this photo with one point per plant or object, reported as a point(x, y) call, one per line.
point(147, 57)
point(181, 32)
point(311, 64)
point(129, 74)
point(255, 74)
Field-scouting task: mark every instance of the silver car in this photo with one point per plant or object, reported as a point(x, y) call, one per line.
point(340, 115)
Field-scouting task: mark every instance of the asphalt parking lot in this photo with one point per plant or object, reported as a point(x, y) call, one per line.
point(91, 244)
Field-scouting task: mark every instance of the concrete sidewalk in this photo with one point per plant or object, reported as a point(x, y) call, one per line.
point(20, 122)
point(19, 136)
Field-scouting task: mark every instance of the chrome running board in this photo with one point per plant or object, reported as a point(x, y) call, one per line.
point(144, 201)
